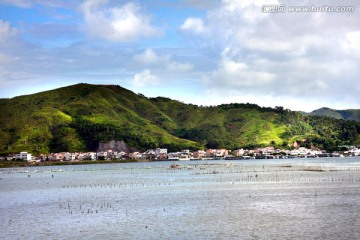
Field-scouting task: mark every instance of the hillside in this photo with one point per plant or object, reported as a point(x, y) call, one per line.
point(79, 117)
point(349, 114)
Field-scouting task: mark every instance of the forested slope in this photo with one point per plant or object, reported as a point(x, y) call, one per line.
point(78, 117)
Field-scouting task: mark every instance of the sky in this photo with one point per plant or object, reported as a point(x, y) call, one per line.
point(204, 52)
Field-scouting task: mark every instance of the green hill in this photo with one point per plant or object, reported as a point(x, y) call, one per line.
point(349, 114)
point(78, 117)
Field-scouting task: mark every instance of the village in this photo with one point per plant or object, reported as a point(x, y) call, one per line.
point(162, 154)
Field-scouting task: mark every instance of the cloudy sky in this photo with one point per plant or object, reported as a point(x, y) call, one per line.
point(204, 52)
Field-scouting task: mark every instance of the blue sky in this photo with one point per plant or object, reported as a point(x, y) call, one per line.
point(205, 52)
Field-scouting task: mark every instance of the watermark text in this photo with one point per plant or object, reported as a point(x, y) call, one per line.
point(282, 8)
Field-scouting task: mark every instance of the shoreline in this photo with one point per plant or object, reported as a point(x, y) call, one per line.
point(13, 164)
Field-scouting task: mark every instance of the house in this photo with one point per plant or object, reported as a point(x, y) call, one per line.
point(89, 156)
point(185, 151)
point(173, 155)
point(199, 154)
point(25, 156)
point(294, 152)
point(135, 155)
point(69, 156)
point(239, 152)
point(162, 156)
point(354, 152)
point(264, 151)
point(159, 151)
point(217, 152)
point(119, 155)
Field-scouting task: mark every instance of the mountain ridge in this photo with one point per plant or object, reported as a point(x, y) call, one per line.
point(347, 114)
point(81, 116)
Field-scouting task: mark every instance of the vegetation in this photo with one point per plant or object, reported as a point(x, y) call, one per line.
point(349, 114)
point(77, 118)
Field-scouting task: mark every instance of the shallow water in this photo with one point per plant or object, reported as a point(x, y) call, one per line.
point(257, 199)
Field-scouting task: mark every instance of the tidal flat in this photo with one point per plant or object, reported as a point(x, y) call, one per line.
point(247, 199)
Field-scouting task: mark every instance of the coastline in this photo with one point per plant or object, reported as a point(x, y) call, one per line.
point(12, 164)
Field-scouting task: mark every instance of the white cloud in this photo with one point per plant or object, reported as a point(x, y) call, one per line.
point(213, 97)
point(235, 5)
point(150, 57)
point(18, 3)
point(202, 4)
point(144, 78)
point(290, 55)
point(119, 24)
point(351, 44)
point(267, 46)
point(7, 60)
point(147, 57)
point(298, 58)
point(194, 25)
point(249, 9)
point(179, 67)
point(30, 3)
point(232, 74)
point(6, 31)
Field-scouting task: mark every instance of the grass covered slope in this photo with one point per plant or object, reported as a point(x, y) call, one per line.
point(78, 117)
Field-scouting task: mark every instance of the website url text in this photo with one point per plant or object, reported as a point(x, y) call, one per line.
point(282, 8)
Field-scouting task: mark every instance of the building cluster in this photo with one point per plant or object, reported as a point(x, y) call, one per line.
point(272, 152)
point(163, 154)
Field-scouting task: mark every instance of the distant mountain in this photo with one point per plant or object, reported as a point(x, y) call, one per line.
point(83, 117)
point(350, 114)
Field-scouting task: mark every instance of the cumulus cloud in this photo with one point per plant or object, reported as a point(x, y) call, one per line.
point(292, 58)
point(144, 78)
point(292, 55)
point(118, 24)
point(233, 74)
point(249, 8)
point(194, 25)
point(150, 57)
point(235, 5)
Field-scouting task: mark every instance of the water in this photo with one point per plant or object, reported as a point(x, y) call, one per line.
point(257, 199)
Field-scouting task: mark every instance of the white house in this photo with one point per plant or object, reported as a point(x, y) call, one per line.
point(69, 156)
point(199, 154)
point(118, 155)
point(23, 156)
point(159, 151)
point(355, 152)
point(135, 155)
